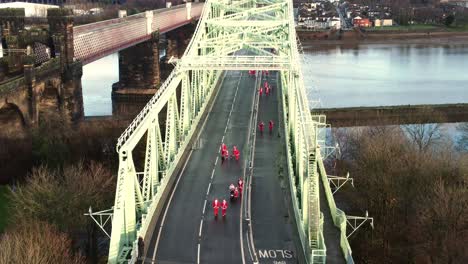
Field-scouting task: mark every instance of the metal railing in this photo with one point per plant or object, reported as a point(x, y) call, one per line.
point(339, 217)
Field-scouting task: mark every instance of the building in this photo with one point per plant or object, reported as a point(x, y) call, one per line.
point(383, 22)
point(462, 3)
point(30, 9)
point(316, 25)
point(361, 22)
point(47, 2)
point(316, 14)
point(335, 23)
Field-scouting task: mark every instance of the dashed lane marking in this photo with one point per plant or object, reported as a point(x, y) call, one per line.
point(208, 191)
point(201, 225)
point(198, 254)
point(204, 207)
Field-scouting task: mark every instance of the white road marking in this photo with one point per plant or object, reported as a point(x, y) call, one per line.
point(208, 191)
point(198, 254)
point(250, 251)
point(201, 226)
point(168, 205)
point(183, 169)
point(204, 207)
point(232, 106)
point(212, 173)
point(252, 244)
point(252, 120)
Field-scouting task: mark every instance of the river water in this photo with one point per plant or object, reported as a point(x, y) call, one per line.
point(97, 81)
point(387, 74)
point(363, 75)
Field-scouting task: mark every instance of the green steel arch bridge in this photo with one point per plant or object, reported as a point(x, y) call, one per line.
point(170, 169)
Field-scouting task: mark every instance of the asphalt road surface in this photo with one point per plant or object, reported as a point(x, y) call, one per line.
point(187, 231)
point(272, 223)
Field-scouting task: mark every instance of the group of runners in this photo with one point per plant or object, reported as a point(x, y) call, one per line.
point(236, 191)
point(267, 87)
point(261, 126)
point(225, 153)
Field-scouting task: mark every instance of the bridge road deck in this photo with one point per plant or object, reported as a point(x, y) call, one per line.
point(274, 230)
point(273, 226)
point(205, 178)
point(219, 240)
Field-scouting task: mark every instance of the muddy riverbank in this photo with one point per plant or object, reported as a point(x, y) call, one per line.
point(309, 38)
point(395, 115)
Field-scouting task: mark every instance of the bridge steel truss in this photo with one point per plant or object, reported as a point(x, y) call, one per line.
point(265, 29)
point(181, 101)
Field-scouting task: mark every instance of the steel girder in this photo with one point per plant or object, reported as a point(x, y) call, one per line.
point(301, 136)
point(135, 203)
point(237, 63)
point(266, 30)
point(249, 13)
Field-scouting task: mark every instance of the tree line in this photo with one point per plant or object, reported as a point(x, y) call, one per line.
point(63, 170)
point(414, 181)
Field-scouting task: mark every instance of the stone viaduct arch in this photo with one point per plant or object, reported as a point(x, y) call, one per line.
point(12, 120)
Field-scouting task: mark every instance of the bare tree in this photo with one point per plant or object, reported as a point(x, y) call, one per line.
point(378, 162)
point(36, 243)
point(52, 148)
point(344, 139)
point(424, 135)
point(443, 222)
point(462, 140)
point(399, 185)
point(61, 197)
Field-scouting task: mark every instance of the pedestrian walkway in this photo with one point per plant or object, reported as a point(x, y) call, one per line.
point(330, 232)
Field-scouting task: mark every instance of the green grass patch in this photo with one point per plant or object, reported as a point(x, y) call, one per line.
point(461, 28)
point(420, 27)
point(3, 207)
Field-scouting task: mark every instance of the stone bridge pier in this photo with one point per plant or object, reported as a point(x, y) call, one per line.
point(141, 70)
point(139, 77)
point(178, 40)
